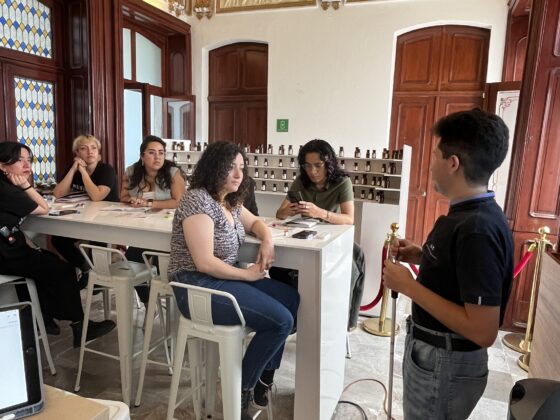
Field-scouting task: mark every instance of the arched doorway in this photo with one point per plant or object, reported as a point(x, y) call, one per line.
point(237, 99)
point(439, 70)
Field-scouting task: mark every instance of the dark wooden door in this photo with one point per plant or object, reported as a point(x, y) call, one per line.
point(533, 200)
point(438, 70)
point(237, 101)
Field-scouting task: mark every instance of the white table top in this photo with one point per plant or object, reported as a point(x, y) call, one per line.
point(146, 229)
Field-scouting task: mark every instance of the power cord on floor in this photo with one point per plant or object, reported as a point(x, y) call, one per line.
point(362, 411)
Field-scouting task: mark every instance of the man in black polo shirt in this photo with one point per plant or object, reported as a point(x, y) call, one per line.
point(466, 270)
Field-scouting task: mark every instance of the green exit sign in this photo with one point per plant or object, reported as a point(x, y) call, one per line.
point(282, 126)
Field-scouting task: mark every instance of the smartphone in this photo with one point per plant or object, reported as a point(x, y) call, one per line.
point(63, 212)
point(295, 196)
point(305, 234)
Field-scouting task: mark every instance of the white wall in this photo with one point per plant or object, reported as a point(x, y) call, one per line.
point(330, 72)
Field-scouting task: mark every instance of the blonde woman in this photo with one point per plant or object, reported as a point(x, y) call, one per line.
point(97, 179)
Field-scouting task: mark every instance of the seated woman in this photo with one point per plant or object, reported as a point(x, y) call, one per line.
point(56, 280)
point(97, 179)
point(325, 188)
point(153, 182)
point(208, 228)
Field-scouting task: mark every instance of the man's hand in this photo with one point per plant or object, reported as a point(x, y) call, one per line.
point(406, 251)
point(397, 277)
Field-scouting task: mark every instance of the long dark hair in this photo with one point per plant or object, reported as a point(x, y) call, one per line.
point(327, 155)
point(213, 168)
point(163, 176)
point(10, 152)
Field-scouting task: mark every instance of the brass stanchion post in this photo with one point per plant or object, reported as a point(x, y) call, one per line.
point(542, 243)
point(381, 325)
point(516, 341)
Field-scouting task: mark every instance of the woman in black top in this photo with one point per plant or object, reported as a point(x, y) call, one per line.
point(56, 280)
point(98, 180)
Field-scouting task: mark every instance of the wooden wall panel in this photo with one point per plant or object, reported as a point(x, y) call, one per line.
point(223, 121)
point(255, 121)
point(516, 47)
point(533, 201)
point(418, 60)
point(465, 60)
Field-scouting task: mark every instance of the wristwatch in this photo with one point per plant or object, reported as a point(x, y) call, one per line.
point(150, 202)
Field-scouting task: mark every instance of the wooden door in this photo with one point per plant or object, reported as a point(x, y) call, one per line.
point(533, 199)
point(438, 71)
point(238, 78)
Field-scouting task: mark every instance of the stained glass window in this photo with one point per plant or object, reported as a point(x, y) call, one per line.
point(25, 25)
point(35, 124)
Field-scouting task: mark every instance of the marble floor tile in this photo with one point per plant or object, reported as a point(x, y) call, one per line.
point(369, 363)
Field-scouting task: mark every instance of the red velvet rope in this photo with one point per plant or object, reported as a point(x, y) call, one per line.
point(521, 265)
point(380, 292)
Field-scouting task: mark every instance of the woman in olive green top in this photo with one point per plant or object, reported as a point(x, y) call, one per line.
point(327, 194)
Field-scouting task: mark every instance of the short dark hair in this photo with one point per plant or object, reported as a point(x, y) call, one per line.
point(478, 138)
point(212, 169)
point(326, 154)
point(11, 150)
point(163, 176)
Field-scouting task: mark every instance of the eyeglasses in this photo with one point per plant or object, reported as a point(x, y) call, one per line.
point(309, 166)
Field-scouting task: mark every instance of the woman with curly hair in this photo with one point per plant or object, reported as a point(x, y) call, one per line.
point(153, 182)
point(325, 188)
point(208, 228)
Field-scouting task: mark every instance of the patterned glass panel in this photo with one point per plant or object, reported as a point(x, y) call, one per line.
point(25, 25)
point(35, 124)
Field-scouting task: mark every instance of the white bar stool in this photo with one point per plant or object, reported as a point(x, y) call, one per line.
point(225, 345)
point(11, 281)
point(159, 288)
point(122, 276)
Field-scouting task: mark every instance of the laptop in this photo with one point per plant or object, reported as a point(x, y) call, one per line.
point(21, 381)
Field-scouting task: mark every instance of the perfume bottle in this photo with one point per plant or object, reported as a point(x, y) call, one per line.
point(256, 161)
point(292, 163)
point(263, 186)
point(198, 147)
point(294, 175)
point(271, 174)
point(256, 172)
point(273, 187)
point(355, 166)
point(384, 168)
point(270, 149)
point(281, 149)
point(188, 158)
point(357, 153)
point(364, 179)
point(189, 169)
point(205, 146)
point(373, 154)
point(285, 187)
point(370, 194)
point(265, 162)
point(290, 150)
point(367, 154)
point(280, 164)
point(368, 166)
point(265, 174)
point(342, 164)
point(341, 152)
point(284, 174)
point(356, 181)
point(363, 194)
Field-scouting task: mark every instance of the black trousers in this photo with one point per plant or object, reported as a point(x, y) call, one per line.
point(67, 247)
point(55, 280)
point(143, 290)
point(357, 277)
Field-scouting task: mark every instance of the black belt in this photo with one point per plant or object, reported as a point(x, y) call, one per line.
point(457, 344)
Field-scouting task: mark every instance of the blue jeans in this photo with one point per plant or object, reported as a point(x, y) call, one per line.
point(439, 383)
point(269, 307)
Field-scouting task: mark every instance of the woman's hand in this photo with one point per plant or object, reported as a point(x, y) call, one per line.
point(20, 181)
point(307, 208)
point(265, 257)
point(254, 272)
point(138, 202)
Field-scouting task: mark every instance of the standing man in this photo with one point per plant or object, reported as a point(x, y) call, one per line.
point(466, 270)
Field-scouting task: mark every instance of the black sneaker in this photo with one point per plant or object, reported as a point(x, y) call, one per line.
point(246, 397)
point(95, 330)
point(262, 388)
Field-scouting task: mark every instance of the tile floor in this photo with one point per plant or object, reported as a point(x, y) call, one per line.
point(370, 360)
